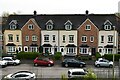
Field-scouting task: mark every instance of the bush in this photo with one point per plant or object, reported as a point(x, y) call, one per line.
point(97, 55)
point(57, 56)
point(27, 55)
point(110, 57)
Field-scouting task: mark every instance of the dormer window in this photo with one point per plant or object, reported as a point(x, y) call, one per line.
point(49, 25)
point(88, 27)
point(13, 24)
point(68, 25)
point(107, 25)
point(30, 26)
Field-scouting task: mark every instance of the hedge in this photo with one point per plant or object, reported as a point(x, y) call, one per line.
point(110, 57)
point(27, 55)
point(57, 55)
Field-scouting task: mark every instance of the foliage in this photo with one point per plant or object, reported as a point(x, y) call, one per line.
point(90, 75)
point(57, 55)
point(27, 55)
point(98, 55)
point(63, 77)
point(110, 57)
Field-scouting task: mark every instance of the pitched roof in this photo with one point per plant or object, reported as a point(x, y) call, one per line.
point(60, 19)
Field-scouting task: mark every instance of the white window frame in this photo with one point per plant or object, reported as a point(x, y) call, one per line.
point(85, 39)
point(86, 27)
point(17, 38)
point(26, 38)
point(1, 37)
point(84, 50)
point(49, 27)
point(46, 38)
point(33, 49)
point(68, 27)
point(102, 39)
point(11, 48)
point(91, 38)
point(54, 38)
point(71, 50)
point(110, 38)
point(12, 26)
point(64, 38)
point(107, 27)
point(71, 38)
point(10, 37)
point(31, 26)
point(34, 38)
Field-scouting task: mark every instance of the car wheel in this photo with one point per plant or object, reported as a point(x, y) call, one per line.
point(49, 65)
point(110, 66)
point(35, 64)
point(14, 64)
point(98, 65)
point(81, 65)
point(66, 65)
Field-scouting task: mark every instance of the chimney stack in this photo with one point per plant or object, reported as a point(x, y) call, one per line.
point(87, 12)
point(35, 13)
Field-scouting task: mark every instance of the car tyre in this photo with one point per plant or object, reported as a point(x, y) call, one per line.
point(14, 64)
point(35, 64)
point(110, 66)
point(66, 65)
point(49, 65)
point(98, 65)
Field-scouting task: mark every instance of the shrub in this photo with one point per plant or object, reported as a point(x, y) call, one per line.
point(110, 57)
point(90, 76)
point(97, 55)
point(57, 56)
point(27, 55)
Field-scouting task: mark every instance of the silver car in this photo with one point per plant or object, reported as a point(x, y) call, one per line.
point(21, 75)
point(103, 63)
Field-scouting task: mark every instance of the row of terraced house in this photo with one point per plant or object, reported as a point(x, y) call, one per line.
point(70, 34)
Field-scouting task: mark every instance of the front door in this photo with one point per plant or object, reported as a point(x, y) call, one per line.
point(93, 51)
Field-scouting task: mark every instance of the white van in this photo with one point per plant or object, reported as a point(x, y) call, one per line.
point(76, 73)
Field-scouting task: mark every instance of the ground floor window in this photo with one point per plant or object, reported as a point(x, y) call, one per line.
point(84, 50)
point(11, 49)
point(33, 49)
point(109, 50)
point(71, 50)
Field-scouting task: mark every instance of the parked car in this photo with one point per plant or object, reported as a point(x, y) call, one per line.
point(21, 75)
point(3, 63)
point(103, 63)
point(11, 60)
point(73, 73)
point(43, 61)
point(73, 63)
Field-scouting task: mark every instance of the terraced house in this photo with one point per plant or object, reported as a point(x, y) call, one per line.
point(70, 34)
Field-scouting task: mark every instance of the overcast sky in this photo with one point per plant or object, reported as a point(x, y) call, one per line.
point(59, 6)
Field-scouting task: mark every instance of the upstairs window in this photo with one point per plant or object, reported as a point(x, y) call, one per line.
point(53, 38)
point(110, 39)
point(27, 38)
point(107, 25)
point(71, 38)
point(13, 24)
point(91, 38)
point(30, 26)
point(1, 37)
point(88, 27)
point(17, 38)
point(34, 38)
point(63, 38)
point(49, 25)
point(68, 25)
point(84, 39)
point(102, 39)
point(10, 38)
point(46, 38)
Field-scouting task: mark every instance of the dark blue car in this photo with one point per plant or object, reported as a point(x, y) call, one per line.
point(73, 63)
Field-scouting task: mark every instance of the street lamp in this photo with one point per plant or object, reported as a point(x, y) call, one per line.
point(113, 52)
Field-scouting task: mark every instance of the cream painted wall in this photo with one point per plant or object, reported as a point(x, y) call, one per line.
point(14, 33)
